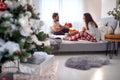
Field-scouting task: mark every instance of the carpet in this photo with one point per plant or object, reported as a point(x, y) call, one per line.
point(86, 62)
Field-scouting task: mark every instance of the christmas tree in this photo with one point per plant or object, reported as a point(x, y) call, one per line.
point(20, 34)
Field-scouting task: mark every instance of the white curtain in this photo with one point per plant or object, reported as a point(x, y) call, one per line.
point(69, 11)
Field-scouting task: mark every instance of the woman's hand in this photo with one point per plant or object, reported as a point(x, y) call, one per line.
point(83, 29)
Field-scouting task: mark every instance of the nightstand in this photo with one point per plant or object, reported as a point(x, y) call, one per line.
point(112, 45)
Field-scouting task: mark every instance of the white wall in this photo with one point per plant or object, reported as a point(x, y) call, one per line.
point(107, 5)
point(93, 7)
point(98, 8)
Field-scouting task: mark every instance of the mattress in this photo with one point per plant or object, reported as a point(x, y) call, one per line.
point(82, 45)
point(75, 46)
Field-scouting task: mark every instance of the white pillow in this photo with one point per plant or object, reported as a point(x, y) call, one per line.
point(98, 35)
point(103, 32)
point(101, 24)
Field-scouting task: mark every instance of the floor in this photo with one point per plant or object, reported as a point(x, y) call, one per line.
point(107, 72)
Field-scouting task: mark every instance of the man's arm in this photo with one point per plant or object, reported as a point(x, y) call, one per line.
point(56, 28)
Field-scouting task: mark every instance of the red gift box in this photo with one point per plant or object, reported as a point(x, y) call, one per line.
point(69, 25)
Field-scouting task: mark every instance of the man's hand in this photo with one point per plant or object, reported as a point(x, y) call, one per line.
point(68, 25)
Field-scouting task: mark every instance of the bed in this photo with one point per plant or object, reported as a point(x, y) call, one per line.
point(76, 46)
point(61, 45)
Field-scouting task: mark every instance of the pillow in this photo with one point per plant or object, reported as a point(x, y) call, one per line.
point(103, 32)
point(101, 24)
point(98, 35)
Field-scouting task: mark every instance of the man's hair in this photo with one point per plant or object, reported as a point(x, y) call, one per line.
point(54, 15)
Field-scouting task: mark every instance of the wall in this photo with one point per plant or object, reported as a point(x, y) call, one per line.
point(98, 8)
point(107, 5)
point(93, 7)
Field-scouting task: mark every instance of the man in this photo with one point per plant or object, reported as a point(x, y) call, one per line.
point(57, 28)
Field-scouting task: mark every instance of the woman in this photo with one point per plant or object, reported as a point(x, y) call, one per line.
point(90, 32)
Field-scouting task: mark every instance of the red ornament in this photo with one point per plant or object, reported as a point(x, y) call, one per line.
point(29, 8)
point(4, 78)
point(3, 6)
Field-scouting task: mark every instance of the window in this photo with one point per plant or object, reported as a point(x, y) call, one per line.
point(69, 11)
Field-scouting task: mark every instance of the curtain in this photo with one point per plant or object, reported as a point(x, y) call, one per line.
point(69, 11)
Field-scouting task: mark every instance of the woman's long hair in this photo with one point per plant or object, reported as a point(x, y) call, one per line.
point(88, 18)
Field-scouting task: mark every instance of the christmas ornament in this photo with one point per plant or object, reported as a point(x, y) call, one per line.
point(7, 15)
point(4, 78)
point(26, 32)
point(28, 13)
point(3, 6)
point(22, 22)
point(13, 27)
point(29, 8)
point(9, 3)
point(5, 24)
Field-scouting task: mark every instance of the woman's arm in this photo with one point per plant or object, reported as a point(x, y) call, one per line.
point(91, 28)
point(84, 29)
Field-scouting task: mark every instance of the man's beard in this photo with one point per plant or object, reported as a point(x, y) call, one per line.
point(57, 20)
